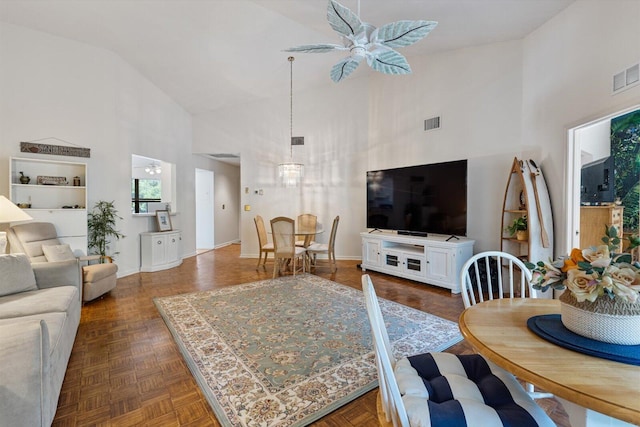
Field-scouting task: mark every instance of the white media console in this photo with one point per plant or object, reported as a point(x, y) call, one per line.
point(435, 259)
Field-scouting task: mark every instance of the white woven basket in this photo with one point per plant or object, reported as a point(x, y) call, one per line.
point(584, 319)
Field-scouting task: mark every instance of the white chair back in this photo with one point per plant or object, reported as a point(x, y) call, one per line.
point(494, 273)
point(392, 403)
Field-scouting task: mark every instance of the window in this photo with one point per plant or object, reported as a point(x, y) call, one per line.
point(144, 191)
point(153, 185)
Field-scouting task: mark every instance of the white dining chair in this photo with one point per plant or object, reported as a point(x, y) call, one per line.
point(492, 275)
point(444, 389)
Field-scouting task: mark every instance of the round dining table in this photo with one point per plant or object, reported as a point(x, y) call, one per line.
point(498, 330)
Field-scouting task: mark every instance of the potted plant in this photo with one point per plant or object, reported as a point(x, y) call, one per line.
point(101, 224)
point(519, 228)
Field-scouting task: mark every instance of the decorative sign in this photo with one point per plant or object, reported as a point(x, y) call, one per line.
point(58, 150)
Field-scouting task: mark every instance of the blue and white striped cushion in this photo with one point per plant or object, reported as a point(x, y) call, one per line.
point(443, 389)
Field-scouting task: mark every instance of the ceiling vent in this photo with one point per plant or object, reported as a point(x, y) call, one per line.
point(432, 123)
point(297, 140)
point(626, 79)
point(219, 156)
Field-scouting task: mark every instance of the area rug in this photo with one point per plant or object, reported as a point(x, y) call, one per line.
point(287, 351)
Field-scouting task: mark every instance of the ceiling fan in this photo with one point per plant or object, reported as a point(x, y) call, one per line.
point(364, 40)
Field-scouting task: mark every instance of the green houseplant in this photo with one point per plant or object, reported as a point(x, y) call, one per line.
point(519, 228)
point(101, 224)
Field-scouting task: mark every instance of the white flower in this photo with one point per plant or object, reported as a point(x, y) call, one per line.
point(598, 256)
point(583, 286)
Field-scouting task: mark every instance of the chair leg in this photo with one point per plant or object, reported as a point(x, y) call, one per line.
point(264, 263)
point(259, 260)
point(276, 267)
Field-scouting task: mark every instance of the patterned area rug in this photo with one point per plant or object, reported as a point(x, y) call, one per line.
point(286, 352)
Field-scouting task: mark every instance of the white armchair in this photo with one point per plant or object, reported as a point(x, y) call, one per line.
point(51, 260)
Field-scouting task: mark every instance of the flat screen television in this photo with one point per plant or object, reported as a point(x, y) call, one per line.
point(419, 199)
point(596, 184)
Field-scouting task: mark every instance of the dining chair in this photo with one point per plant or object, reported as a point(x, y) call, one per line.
point(264, 246)
point(325, 248)
point(495, 274)
point(444, 389)
point(284, 245)
point(306, 222)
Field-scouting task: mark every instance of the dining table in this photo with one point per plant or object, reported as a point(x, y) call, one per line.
point(594, 391)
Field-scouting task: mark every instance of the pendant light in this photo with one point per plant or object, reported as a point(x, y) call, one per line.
point(291, 173)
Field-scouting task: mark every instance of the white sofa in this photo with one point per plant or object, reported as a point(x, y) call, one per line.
point(39, 318)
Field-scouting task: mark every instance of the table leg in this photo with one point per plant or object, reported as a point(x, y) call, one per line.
point(580, 416)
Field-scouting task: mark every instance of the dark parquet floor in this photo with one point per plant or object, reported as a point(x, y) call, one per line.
point(126, 370)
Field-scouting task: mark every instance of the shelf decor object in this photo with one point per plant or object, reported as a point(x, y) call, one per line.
point(164, 221)
point(58, 150)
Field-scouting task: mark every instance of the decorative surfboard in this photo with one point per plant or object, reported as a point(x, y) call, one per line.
point(527, 195)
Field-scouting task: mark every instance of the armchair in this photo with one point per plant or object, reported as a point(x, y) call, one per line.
point(52, 261)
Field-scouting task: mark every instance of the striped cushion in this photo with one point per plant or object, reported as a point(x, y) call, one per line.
point(442, 389)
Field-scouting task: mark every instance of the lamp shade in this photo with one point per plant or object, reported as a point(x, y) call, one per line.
point(10, 212)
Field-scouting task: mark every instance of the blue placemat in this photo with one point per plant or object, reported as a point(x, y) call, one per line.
point(550, 327)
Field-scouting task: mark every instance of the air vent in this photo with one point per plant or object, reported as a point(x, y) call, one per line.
point(626, 79)
point(224, 156)
point(297, 140)
point(432, 123)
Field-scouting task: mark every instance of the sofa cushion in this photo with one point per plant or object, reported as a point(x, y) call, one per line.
point(57, 299)
point(17, 274)
point(96, 272)
point(55, 253)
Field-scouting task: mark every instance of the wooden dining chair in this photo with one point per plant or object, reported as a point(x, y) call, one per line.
point(264, 246)
point(493, 275)
point(444, 389)
point(307, 223)
point(325, 248)
point(284, 245)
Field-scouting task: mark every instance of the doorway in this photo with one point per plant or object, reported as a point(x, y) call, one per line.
point(590, 145)
point(204, 211)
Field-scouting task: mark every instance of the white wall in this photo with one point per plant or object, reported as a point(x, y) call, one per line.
point(50, 86)
point(334, 155)
point(569, 63)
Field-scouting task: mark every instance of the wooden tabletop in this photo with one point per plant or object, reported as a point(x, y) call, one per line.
point(497, 329)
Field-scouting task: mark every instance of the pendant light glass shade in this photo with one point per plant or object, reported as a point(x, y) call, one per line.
point(291, 173)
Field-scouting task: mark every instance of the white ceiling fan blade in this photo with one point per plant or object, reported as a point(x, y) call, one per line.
point(315, 48)
point(342, 20)
point(345, 67)
point(402, 33)
point(388, 61)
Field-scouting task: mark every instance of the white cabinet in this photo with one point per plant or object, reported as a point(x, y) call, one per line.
point(56, 192)
point(436, 260)
point(160, 250)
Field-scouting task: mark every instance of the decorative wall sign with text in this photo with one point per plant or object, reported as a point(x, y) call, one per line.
point(58, 150)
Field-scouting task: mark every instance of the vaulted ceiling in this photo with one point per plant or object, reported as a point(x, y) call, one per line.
point(208, 54)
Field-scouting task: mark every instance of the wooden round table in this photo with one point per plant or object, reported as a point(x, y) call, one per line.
point(498, 330)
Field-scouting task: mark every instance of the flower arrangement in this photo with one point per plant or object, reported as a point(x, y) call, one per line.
point(592, 272)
